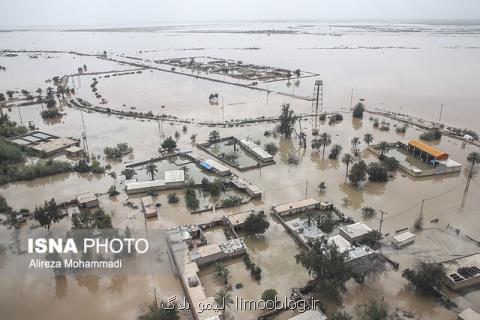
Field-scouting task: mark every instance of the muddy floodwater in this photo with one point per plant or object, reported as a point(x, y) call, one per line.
point(407, 70)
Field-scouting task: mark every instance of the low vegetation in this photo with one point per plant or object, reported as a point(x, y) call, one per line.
point(432, 134)
point(117, 152)
point(426, 277)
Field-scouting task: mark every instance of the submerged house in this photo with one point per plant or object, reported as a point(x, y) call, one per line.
point(438, 159)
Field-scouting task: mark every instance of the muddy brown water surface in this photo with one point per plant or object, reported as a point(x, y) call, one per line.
point(405, 80)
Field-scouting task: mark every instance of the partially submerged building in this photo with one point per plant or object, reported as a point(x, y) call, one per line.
point(189, 250)
point(438, 159)
point(355, 232)
point(462, 272)
point(74, 151)
point(289, 208)
point(403, 240)
point(242, 184)
point(149, 207)
point(357, 255)
point(174, 179)
point(87, 200)
point(257, 151)
point(46, 143)
point(214, 166)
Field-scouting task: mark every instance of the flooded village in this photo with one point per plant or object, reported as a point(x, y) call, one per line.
point(279, 171)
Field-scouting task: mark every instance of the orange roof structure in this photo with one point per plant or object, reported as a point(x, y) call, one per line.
point(434, 152)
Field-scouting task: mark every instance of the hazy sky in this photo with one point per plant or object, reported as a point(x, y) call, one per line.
point(17, 13)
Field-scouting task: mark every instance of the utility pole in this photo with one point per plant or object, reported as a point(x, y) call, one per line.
point(306, 188)
point(351, 99)
point(84, 139)
point(421, 210)
point(20, 114)
point(440, 116)
point(380, 227)
point(160, 128)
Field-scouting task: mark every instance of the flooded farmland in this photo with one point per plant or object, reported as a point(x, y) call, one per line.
point(386, 67)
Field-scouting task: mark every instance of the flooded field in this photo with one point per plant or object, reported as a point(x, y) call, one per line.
point(391, 68)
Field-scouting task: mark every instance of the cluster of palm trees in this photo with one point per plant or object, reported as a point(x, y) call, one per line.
point(223, 297)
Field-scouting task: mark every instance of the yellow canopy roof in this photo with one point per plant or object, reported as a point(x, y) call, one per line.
point(434, 152)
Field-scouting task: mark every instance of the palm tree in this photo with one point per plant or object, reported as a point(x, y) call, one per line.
point(384, 147)
point(355, 142)
point(152, 170)
point(473, 158)
point(221, 273)
point(368, 138)
point(324, 140)
point(368, 213)
point(347, 160)
point(223, 299)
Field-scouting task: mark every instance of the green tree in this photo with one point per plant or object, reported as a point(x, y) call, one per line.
point(152, 170)
point(129, 173)
point(287, 120)
point(3, 204)
point(368, 138)
point(358, 110)
point(335, 151)
point(47, 214)
point(191, 199)
point(347, 160)
point(166, 311)
point(473, 159)
point(256, 223)
point(323, 141)
point(221, 273)
point(224, 300)
point(368, 213)
point(377, 172)
point(172, 198)
point(214, 136)
point(358, 172)
point(340, 315)
point(169, 144)
point(391, 164)
point(322, 186)
point(372, 311)
point(328, 268)
point(426, 276)
point(98, 220)
point(355, 143)
point(384, 147)
point(271, 148)
point(269, 295)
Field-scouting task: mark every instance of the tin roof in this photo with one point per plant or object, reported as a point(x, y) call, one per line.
point(434, 152)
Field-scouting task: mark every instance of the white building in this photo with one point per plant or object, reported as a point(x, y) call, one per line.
point(355, 232)
point(403, 240)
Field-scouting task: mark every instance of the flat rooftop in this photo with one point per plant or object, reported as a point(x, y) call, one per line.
point(86, 197)
point(355, 230)
point(295, 205)
point(464, 268)
point(239, 218)
point(341, 243)
point(174, 176)
point(469, 314)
